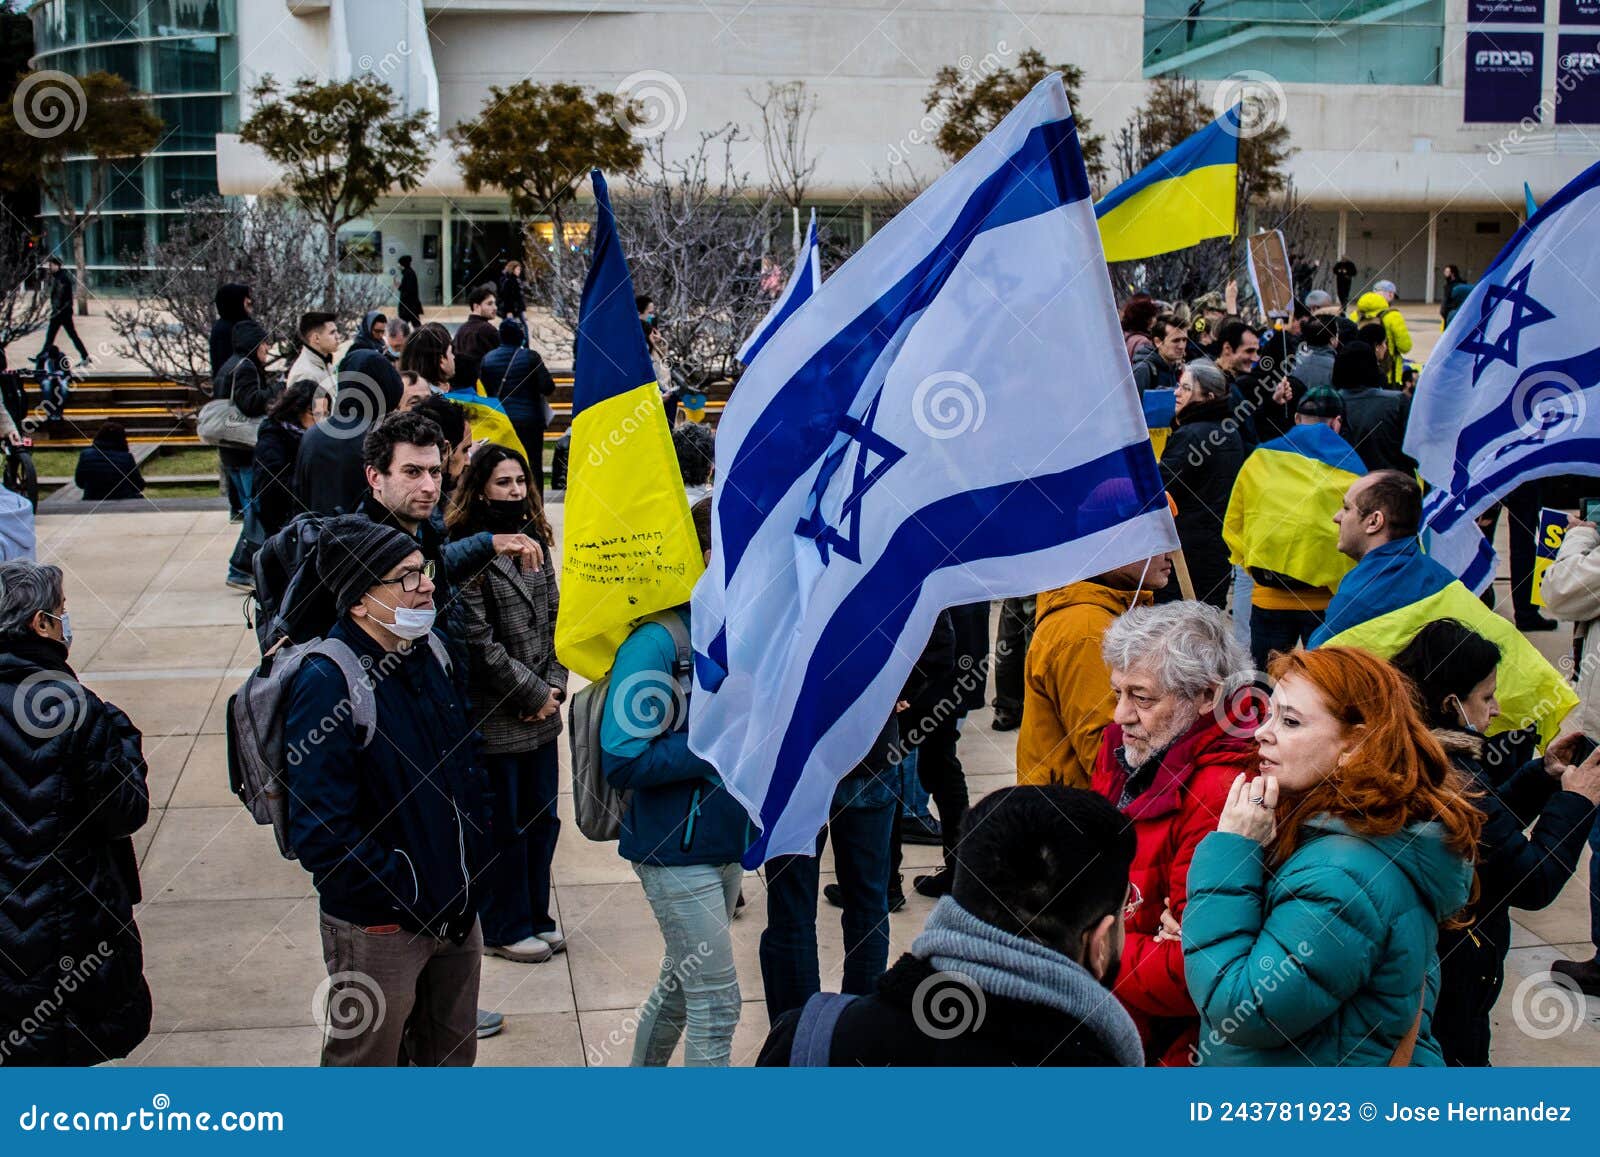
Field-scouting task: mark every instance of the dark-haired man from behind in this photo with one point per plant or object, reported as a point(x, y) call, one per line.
point(1031, 936)
point(476, 338)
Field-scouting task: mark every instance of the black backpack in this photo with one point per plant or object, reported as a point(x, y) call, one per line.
point(291, 601)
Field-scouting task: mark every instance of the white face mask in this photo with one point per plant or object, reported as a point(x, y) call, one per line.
point(409, 622)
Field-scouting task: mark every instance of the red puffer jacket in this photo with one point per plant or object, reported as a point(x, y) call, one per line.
point(1171, 817)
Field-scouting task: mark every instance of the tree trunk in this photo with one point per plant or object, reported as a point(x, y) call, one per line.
point(558, 237)
point(330, 283)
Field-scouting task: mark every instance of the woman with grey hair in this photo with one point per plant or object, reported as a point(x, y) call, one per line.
point(1202, 458)
point(72, 793)
point(1186, 709)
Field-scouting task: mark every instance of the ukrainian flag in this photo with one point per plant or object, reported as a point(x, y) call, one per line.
point(1280, 517)
point(489, 420)
point(630, 547)
point(1184, 196)
point(1160, 407)
point(1396, 590)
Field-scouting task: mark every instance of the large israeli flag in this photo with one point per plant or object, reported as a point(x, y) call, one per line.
point(950, 418)
point(1512, 392)
point(803, 282)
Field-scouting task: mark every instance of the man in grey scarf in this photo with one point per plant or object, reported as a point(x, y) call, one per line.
point(1015, 967)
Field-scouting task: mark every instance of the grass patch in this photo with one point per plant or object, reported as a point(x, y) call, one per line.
point(55, 463)
point(182, 490)
point(185, 461)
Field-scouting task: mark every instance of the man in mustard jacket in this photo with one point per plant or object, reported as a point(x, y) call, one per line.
point(1067, 698)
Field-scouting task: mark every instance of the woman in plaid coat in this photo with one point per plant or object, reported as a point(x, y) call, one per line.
point(517, 687)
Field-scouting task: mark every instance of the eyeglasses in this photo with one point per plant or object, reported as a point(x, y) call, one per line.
point(411, 580)
point(1132, 903)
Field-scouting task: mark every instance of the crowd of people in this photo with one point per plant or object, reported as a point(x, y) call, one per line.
point(1234, 838)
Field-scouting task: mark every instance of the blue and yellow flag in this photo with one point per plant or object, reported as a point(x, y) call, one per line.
point(489, 420)
point(1160, 407)
point(1396, 590)
point(630, 547)
point(1184, 196)
point(1280, 517)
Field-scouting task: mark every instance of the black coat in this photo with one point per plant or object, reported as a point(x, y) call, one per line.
point(230, 309)
point(395, 832)
point(1375, 424)
point(881, 1030)
point(242, 380)
point(277, 447)
point(1151, 371)
point(69, 805)
point(107, 475)
point(1202, 458)
point(1516, 868)
point(61, 291)
point(410, 296)
point(508, 297)
point(329, 476)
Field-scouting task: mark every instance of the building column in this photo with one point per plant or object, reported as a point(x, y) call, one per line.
point(447, 289)
point(1433, 252)
point(866, 224)
point(1344, 234)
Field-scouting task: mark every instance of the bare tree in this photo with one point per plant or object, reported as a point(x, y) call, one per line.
point(23, 308)
point(270, 245)
point(694, 241)
point(786, 113)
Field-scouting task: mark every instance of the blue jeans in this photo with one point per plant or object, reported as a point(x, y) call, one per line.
point(1243, 586)
point(1279, 631)
point(251, 536)
point(697, 993)
point(516, 898)
point(913, 796)
point(789, 970)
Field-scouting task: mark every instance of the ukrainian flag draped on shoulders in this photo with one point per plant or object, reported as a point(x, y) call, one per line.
point(489, 420)
point(1184, 196)
point(1280, 517)
point(630, 546)
point(1397, 589)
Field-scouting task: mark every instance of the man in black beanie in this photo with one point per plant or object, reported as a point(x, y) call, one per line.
point(392, 826)
point(1375, 416)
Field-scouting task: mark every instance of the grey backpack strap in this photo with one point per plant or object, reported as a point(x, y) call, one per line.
point(441, 653)
point(813, 1036)
point(363, 708)
point(683, 662)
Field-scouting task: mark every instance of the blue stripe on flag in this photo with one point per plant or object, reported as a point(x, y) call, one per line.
point(1216, 144)
point(798, 425)
point(1015, 518)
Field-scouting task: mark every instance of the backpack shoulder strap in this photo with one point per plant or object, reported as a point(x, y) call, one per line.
point(683, 661)
point(813, 1035)
point(441, 653)
point(363, 710)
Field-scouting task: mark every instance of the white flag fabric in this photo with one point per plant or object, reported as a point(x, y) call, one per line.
point(1510, 394)
point(803, 282)
point(951, 418)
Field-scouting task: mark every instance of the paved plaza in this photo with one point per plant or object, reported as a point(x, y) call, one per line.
point(230, 928)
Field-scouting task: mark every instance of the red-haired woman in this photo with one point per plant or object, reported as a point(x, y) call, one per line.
point(1311, 935)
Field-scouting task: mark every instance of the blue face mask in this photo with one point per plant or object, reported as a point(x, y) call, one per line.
point(66, 627)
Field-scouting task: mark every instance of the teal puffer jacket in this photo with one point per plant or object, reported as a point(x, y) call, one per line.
point(1323, 961)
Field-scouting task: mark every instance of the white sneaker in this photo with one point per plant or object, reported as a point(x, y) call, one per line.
point(557, 942)
point(528, 950)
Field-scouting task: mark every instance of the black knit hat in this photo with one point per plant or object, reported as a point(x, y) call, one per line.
point(353, 553)
point(1355, 367)
point(1321, 402)
point(247, 335)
